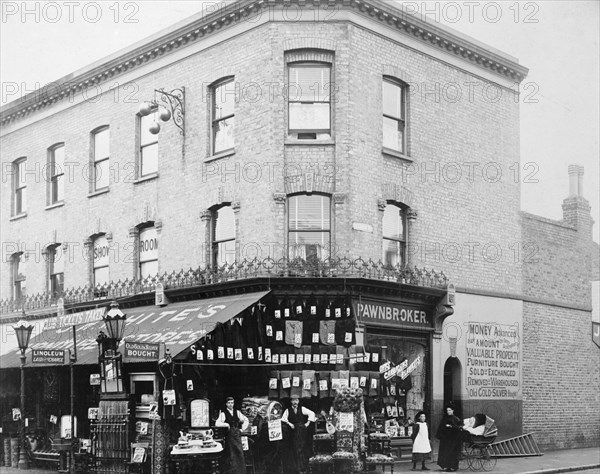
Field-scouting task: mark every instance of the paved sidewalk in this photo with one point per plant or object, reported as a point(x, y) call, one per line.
point(568, 460)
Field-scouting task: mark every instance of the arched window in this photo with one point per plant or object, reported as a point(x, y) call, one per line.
point(101, 259)
point(223, 236)
point(309, 226)
point(394, 235)
point(18, 280)
point(56, 272)
point(148, 251)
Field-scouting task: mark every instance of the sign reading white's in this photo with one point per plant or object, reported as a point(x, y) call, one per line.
point(378, 312)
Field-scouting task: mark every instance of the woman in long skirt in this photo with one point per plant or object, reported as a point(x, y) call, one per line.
point(450, 438)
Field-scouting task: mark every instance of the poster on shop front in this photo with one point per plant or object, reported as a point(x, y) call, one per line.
point(493, 360)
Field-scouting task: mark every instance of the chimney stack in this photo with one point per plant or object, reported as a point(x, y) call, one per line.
point(576, 209)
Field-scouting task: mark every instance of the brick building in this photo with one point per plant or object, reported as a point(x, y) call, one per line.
point(352, 150)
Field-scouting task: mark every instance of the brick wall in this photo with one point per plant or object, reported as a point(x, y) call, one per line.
point(444, 134)
point(561, 375)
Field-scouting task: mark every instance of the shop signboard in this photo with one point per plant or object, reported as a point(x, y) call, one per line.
point(141, 351)
point(47, 356)
point(493, 360)
point(384, 313)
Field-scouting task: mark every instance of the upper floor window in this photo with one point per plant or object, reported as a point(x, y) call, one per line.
point(100, 270)
point(56, 166)
point(394, 236)
point(394, 115)
point(18, 279)
point(223, 115)
point(56, 273)
point(148, 144)
point(19, 187)
point(309, 100)
point(223, 236)
point(101, 155)
point(309, 226)
point(148, 252)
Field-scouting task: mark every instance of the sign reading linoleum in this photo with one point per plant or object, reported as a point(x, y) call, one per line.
point(493, 360)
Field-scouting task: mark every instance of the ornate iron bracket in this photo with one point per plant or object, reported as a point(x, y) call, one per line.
point(175, 100)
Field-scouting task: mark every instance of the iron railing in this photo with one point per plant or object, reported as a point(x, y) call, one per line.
point(246, 269)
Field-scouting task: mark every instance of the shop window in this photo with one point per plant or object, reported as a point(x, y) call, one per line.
point(394, 236)
point(309, 100)
point(148, 252)
point(56, 262)
point(394, 115)
point(223, 236)
point(409, 387)
point(18, 279)
point(309, 226)
point(101, 259)
point(148, 153)
point(19, 187)
point(56, 166)
point(101, 156)
point(223, 97)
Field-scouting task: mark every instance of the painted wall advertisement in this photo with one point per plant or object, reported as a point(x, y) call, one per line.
point(493, 360)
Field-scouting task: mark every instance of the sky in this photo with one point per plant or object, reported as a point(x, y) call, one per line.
point(557, 40)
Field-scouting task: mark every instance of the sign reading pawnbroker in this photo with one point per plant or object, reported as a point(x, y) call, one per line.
point(47, 356)
point(141, 351)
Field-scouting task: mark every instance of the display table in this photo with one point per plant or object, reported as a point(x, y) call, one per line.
point(195, 460)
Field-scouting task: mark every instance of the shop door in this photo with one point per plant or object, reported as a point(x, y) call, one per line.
point(452, 384)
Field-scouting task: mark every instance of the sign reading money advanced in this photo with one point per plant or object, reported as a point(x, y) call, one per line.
point(47, 356)
point(378, 312)
point(141, 351)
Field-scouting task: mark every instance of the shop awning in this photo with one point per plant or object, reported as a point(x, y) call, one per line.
point(178, 325)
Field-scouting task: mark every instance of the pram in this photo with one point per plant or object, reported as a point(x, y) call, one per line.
point(478, 433)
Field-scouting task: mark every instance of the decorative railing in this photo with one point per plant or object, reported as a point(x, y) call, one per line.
point(242, 270)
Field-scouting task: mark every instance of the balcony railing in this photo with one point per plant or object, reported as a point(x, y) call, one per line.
point(242, 270)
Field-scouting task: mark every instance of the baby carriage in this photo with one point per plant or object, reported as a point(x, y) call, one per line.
point(478, 433)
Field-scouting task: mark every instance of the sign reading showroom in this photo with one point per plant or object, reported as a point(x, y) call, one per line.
point(493, 360)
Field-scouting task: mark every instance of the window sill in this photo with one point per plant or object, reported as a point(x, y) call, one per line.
point(291, 141)
point(143, 179)
point(18, 216)
point(99, 192)
point(55, 205)
point(221, 154)
point(396, 154)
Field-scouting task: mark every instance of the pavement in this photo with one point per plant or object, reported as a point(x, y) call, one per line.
point(586, 460)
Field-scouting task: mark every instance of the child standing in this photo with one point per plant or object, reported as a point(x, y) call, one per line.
point(421, 446)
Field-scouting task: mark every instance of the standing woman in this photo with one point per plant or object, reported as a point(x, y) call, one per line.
point(421, 446)
point(233, 454)
point(450, 440)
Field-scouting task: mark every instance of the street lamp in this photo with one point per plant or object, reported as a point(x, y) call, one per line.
point(114, 320)
point(110, 359)
point(23, 331)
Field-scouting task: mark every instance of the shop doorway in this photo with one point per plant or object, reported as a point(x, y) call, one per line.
point(453, 384)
